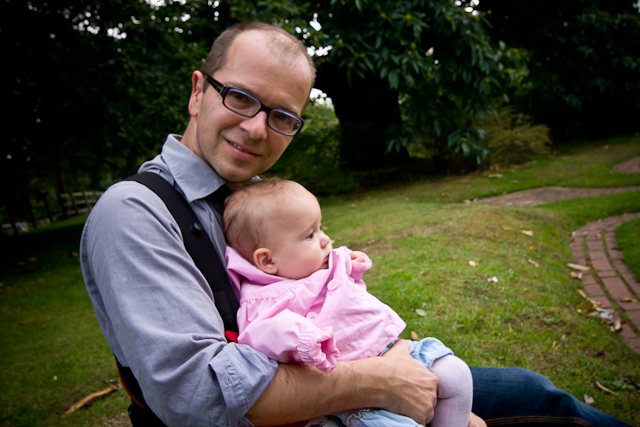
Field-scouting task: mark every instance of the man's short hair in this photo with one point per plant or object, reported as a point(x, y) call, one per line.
point(248, 211)
point(278, 39)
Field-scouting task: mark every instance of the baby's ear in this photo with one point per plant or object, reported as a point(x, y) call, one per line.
point(263, 259)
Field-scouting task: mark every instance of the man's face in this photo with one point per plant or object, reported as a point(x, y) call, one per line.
point(298, 245)
point(238, 147)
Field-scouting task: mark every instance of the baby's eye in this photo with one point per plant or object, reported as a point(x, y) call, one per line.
point(310, 235)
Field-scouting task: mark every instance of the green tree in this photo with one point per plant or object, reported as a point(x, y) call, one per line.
point(93, 86)
point(397, 70)
point(584, 62)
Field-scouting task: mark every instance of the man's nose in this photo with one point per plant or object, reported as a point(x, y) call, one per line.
point(256, 126)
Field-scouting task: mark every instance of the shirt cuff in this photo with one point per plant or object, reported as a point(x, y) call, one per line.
point(243, 374)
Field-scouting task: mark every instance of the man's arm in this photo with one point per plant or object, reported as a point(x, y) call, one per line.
point(158, 316)
point(395, 382)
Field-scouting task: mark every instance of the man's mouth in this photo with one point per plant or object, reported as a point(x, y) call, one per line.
point(238, 147)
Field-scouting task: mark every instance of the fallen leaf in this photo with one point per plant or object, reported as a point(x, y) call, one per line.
point(445, 194)
point(617, 323)
point(420, 312)
point(581, 293)
point(495, 175)
point(493, 279)
point(605, 314)
point(533, 262)
point(466, 202)
point(527, 232)
point(414, 336)
point(588, 399)
point(473, 263)
point(577, 267)
point(603, 388)
point(627, 299)
point(576, 275)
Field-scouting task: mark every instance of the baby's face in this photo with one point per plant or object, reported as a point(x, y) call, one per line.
point(296, 240)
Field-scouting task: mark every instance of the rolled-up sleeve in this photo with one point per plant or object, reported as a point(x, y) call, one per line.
point(243, 374)
point(158, 315)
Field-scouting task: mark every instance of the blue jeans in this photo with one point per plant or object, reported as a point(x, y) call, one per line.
point(518, 397)
point(521, 398)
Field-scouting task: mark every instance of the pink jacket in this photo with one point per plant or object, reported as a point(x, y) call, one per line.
point(326, 317)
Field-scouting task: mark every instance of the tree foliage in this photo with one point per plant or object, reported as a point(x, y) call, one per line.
point(94, 86)
point(92, 83)
point(584, 62)
point(425, 66)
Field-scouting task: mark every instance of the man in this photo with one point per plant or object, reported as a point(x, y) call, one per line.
point(156, 309)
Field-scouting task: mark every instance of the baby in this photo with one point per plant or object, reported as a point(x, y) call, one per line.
point(301, 301)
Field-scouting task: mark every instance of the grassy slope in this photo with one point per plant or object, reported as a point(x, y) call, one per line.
point(53, 352)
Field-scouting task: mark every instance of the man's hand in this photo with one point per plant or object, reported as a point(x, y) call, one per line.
point(412, 388)
point(395, 382)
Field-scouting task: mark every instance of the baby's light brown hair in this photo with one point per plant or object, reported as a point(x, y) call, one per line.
point(248, 211)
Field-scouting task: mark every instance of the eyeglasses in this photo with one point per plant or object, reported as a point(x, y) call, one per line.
point(248, 106)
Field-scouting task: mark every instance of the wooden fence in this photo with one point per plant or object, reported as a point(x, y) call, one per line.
point(45, 210)
point(79, 202)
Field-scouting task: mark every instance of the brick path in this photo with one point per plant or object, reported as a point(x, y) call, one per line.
point(540, 196)
point(630, 166)
point(608, 281)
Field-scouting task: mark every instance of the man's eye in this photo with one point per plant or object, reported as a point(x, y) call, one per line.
point(285, 119)
point(239, 99)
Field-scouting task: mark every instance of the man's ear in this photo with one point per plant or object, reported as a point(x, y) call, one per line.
point(197, 84)
point(263, 259)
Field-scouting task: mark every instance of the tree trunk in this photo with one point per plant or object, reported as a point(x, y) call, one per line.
point(365, 108)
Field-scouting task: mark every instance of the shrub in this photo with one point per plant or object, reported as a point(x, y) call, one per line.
point(512, 138)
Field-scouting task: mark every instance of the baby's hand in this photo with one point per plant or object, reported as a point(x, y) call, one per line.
point(356, 257)
point(476, 421)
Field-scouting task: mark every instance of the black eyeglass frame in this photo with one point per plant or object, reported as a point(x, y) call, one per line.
point(223, 90)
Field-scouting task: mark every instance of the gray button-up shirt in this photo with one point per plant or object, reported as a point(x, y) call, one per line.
point(155, 308)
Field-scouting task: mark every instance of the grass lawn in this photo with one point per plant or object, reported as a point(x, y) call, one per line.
point(421, 239)
point(627, 236)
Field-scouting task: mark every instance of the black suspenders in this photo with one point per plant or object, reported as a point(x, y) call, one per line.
point(205, 257)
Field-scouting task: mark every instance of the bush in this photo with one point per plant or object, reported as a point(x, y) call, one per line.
point(313, 158)
point(512, 138)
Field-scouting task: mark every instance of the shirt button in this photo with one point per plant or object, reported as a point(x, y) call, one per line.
point(333, 284)
point(312, 315)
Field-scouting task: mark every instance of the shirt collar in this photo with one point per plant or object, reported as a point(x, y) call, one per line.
point(193, 175)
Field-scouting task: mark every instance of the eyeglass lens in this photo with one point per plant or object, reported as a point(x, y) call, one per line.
point(247, 105)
